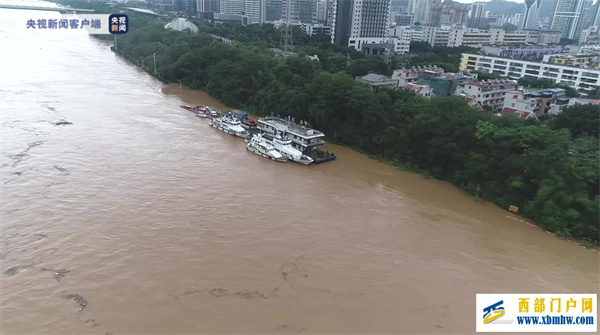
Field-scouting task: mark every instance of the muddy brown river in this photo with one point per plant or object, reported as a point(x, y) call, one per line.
point(124, 214)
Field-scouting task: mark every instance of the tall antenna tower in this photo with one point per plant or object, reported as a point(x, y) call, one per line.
point(388, 56)
point(287, 39)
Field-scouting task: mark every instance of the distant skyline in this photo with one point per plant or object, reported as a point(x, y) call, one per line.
point(471, 1)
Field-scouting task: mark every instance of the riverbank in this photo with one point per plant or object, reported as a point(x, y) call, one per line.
point(174, 90)
point(507, 161)
point(144, 210)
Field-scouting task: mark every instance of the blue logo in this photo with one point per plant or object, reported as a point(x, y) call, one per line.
point(118, 24)
point(493, 312)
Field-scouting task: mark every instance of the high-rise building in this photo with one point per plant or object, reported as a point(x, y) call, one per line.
point(255, 10)
point(299, 11)
point(211, 6)
point(187, 6)
point(587, 18)
point(477, 17)
point(477, 10)
point(597, 14)
point(231, 6)
point(321, 11)
point(370, 21)
point(339, 18)
point(451, 14)
point(530, 13)
point(421, 9)
point(566, 16)
point(358, 22)
point(273, 10)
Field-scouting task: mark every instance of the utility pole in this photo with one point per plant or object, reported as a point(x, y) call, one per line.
point(154, 55)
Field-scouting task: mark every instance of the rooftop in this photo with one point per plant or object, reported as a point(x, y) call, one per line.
point(374, 78)
point(182, 24)
point(521, 114)
point(292, 127)
point(578, 66)
point(282, 53)
point(490, 83)
point(145, 11)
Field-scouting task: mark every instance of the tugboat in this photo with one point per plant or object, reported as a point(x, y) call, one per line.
point(283, 145)
point(196, 110)
point(209, 113)
point(230, 125)
point(258, 145)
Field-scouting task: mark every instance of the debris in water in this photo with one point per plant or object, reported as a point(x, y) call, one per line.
point(218, 292)
point(251, 294)
point(62, 169)
point(79, 300)
point(12, 271)
point(58, 274)
point(62, 123)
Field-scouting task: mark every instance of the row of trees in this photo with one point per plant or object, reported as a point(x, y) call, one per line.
point(550, 170)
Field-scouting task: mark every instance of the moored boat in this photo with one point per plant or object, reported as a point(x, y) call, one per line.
point(283, 145)
point(258, 145)
point(209, 113)
point(230, 125)
point(196, 109)
point(248, 124)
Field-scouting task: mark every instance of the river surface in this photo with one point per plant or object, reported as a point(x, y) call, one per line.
point(137, 217)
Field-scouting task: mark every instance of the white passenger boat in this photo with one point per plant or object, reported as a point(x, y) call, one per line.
point(284, 146)
point(258, 145)
point(230, 125)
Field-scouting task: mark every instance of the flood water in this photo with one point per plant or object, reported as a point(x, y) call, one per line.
point(135, 216)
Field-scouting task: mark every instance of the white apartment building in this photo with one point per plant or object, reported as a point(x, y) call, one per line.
point(304, 11)
point(487, 92)
point(369, 23)
point(583, 79)
point(255, 10)
point(588, 34)
point(477, 37)
point(406, 33)
point(421, 10)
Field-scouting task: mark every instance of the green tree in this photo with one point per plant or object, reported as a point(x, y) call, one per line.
point(580, 120)
point(419, 46)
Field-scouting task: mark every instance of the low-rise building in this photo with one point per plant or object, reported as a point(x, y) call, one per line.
point(455, 37)
point(543, 36)
point(584, 101)
point(584, 79)
point(407, 76)
point(590, 34)
point(526, 52)
point(490, 93)
point(587, 61)
point(443, 84)
point(473, 103)
point(315, 29)
point(550, 101)
point(522, 114)
point(377, 80)
point(410, 33)
point(422, 90)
